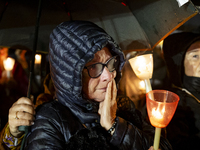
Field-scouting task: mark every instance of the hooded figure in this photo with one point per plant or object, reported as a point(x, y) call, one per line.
point(182, 56)
point(73, 45)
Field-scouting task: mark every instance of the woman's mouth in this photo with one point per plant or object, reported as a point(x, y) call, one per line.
point(103, 89)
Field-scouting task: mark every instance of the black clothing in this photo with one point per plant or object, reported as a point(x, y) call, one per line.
point(192, 84)
point(55, 125)
point(72, 45)
point(90, 139)
point(174, 49)
point(183, 131)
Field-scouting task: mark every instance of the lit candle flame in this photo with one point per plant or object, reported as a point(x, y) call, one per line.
point(142, 85)
point(8, 64)
point(38, 59)
point(157, 113)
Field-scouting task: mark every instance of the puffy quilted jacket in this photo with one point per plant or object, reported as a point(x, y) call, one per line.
point(72, 45)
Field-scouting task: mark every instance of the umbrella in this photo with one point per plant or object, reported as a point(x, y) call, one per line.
point(193, 25)
point(135, 25)
point(17, 22)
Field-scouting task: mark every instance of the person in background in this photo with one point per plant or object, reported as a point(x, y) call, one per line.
point(11, 88)
point(22, 54)
point(182, 56)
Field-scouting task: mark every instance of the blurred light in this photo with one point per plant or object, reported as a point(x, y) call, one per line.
point(38, 59)
point(142, 66)
point(142, 85)
point(9, 64)
point(123, 3)
point(160, 44)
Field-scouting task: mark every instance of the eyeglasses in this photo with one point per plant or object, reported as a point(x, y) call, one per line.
point(95, 70)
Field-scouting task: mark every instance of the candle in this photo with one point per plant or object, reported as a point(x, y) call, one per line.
point(161, 106)
point(142, 85)
point(157, 117)
point(142, 66)
point(8, 65)
point(157, 138)
point(147, 85)
point(157, 120)
point(37, 68)
point(38, 59)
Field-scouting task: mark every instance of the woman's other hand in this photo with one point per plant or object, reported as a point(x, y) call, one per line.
point(21, 114)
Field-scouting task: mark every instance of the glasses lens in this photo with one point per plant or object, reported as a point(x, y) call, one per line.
point(112, 64)
point(95, 70)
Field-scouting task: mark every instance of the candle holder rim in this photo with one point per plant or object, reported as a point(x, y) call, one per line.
point(138, 55)
point(164, 91)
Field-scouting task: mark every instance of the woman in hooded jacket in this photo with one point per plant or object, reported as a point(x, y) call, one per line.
point(182, 57)
point(85, 67)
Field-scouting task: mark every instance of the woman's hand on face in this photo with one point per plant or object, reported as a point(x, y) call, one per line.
point(108, 108)
point(21, 114)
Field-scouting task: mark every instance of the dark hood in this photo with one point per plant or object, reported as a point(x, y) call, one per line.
point(174, 49)
point(72, 45)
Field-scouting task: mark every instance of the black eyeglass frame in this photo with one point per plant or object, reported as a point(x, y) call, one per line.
point(104, 65)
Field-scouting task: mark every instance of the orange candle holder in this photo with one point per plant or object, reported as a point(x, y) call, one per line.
point(161, 106)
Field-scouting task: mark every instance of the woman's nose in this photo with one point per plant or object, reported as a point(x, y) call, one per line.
point(107, 75)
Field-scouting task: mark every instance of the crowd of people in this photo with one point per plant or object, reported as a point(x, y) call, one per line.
point(12, 87)
point(81, 108)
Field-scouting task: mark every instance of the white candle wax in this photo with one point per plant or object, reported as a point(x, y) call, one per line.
point(157, 138)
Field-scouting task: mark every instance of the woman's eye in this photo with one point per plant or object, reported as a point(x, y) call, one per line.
point(92, 67)
point(195, 56)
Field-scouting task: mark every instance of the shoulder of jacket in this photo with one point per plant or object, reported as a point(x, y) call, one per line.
point(53, 109)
